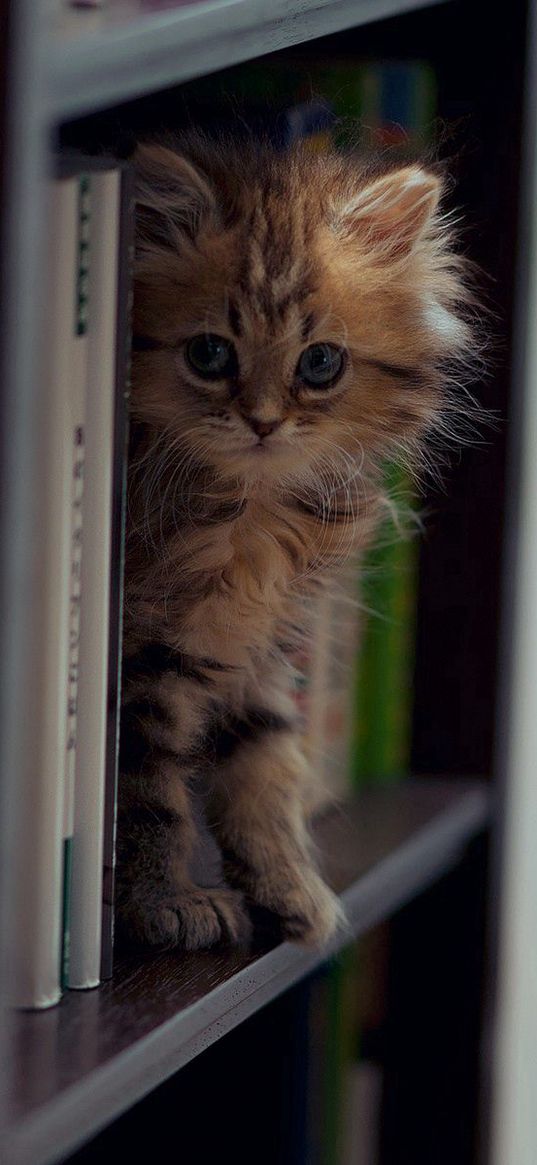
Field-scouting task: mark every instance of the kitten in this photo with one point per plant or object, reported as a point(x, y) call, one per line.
point(295, 316)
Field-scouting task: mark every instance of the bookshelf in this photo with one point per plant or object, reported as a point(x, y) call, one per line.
point(390, 846)
point(80, 1065)
point(93, 63)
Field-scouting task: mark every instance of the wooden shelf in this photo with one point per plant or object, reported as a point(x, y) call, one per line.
point(81, 1064)
point(105, 58)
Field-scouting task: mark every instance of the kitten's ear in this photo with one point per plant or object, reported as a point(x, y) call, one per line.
point(393, 212)
point(172, 196)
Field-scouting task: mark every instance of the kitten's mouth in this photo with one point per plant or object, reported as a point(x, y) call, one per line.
point(265, 451)
point(260, 449)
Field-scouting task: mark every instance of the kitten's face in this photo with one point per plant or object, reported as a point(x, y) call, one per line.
point(286, 324)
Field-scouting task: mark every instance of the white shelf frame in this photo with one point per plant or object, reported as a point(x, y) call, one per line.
point(514, 1039)
point(118, 61)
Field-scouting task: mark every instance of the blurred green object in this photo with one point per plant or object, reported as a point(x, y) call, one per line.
point(385, 663)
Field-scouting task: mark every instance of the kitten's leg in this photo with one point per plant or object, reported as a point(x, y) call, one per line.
point(257, 814)
point(158, 901)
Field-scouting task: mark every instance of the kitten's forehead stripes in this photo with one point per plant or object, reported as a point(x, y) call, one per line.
point(276, 272)
point(274, 275)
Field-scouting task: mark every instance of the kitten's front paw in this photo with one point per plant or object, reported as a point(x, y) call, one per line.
point(307, 909)
point(310, 913)
point(197, 918)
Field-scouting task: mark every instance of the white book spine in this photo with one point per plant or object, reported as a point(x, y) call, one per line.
point(74, 494)
point(38, 886)
point(92, 703)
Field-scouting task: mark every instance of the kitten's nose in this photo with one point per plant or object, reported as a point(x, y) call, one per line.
point(263, 428)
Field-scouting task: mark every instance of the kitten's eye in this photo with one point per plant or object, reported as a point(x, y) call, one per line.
point(321, 365)
point(212, 357)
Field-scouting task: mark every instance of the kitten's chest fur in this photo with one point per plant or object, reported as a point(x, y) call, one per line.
point(264, 558)
point(230, 578)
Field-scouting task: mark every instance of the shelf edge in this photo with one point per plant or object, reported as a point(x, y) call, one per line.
point(105, 68)
point(95, 1101)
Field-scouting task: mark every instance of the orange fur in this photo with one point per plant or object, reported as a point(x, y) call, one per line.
point(244, 492)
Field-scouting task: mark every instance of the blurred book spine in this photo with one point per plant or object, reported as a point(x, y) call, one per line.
point(86, 885)
point(63, 932)
point(40, 940)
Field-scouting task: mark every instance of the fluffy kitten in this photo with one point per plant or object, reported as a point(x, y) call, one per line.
point(295, 318)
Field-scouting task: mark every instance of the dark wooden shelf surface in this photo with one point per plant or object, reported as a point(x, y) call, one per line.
point(80, 1064)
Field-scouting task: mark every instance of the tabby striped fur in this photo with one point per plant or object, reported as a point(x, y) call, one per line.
point(232, 527)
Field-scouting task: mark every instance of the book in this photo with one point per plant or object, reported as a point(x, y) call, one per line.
point(74, 490)
point(90, 744)
point(43, 867)
point(384, 665)
point(398, 102)
point(97, 729)
point(342, 1026)
point(125, 247)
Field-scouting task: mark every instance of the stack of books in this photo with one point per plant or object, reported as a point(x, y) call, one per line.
point(65, 889)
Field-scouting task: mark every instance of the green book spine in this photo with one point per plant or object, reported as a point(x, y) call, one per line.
point(341, 1043)
point(398, 107)
point(386, 657)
